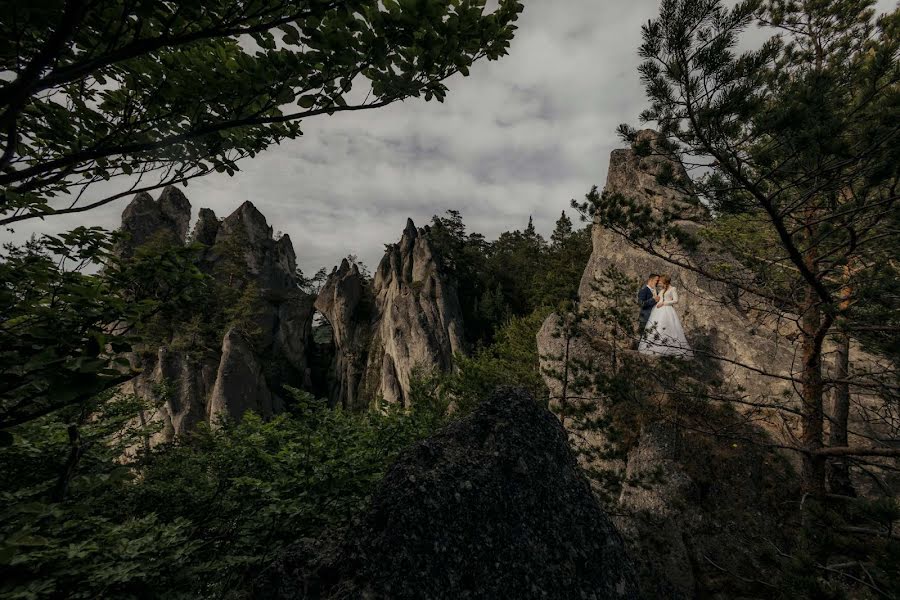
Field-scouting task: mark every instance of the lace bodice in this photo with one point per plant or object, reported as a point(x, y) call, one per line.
point(669, 297)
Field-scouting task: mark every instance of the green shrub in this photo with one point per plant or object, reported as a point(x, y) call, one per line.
point(189, 520)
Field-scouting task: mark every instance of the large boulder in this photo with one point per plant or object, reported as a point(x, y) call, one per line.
point(494, 507)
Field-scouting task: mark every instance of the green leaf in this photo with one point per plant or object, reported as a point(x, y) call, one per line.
point(285, 96)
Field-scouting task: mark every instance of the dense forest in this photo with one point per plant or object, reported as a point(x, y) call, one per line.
point(186, 414)
point(228, 500)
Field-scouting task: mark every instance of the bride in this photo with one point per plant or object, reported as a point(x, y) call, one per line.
point(663, 335)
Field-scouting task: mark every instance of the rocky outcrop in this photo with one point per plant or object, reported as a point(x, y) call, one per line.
point(715, 326)
point(406, 319)
point(271, 261)
point(418, 317)
point(492, 507)
point(240, 384)
point(206, 228)
point(657, 505)
point(187, 386)
point(346, 301)
point(165, 219)
point(177, 385)
point(712, 318)
point(714, 322)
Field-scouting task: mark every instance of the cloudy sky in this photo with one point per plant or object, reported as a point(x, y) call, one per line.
point(520, 136)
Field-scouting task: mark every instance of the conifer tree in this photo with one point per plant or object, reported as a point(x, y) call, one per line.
point(798, 141)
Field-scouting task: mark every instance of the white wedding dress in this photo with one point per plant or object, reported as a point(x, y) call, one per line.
point(664, 335)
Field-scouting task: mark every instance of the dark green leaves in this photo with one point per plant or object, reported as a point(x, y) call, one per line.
point(159, 88)
point(61, 328)
point(198, 519)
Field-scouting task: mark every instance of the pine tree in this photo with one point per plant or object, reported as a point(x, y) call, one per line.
point(799, 140)
point(562, 231)
point(529, 231)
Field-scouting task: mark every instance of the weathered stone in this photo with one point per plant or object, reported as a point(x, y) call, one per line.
point(634, 173)
point(346, 300)
point(407, 318)
point(177, 385)
point(165, 219)
point(714, 323)
point(287, 338)
point(230, 381)
point(493, 507)
point(656, 503)
point(206, 228)
point(418, 320)
point(272, 261)
point(715, 326)
point(176, 208)
point(240, 384)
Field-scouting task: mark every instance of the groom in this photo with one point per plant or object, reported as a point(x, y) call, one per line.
point(647, 298)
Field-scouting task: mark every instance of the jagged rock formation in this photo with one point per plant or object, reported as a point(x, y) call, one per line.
point(714, 325)
point(271, 261)
point(407, 318)
point(712, 320)
point(492, 507)
point(346, 301)
point(188, 387)
point(206, 228)
point(240, 383)
point(184, 381)
point(166, 219)
point(418, 317)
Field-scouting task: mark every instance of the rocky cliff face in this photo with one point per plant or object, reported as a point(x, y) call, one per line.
point(188, 387)
point(712, 320)
point(714, 324)
point(407, 318)
point(346, 301)
point(492, 507)
point(418, 317)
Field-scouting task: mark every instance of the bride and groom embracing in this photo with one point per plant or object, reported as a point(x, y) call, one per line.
point(660, 327)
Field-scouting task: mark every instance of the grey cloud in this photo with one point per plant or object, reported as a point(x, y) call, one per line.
point(519, 137)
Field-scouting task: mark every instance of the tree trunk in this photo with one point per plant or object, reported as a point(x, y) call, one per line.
point(812, 387)
point(68, 471)
point(839, 469)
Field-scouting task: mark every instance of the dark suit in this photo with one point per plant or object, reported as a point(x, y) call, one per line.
point(647, 301)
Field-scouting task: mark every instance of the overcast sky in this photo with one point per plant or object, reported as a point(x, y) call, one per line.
point(520, 136)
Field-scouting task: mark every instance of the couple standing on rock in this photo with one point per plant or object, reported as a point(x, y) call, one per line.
point(661, 330)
